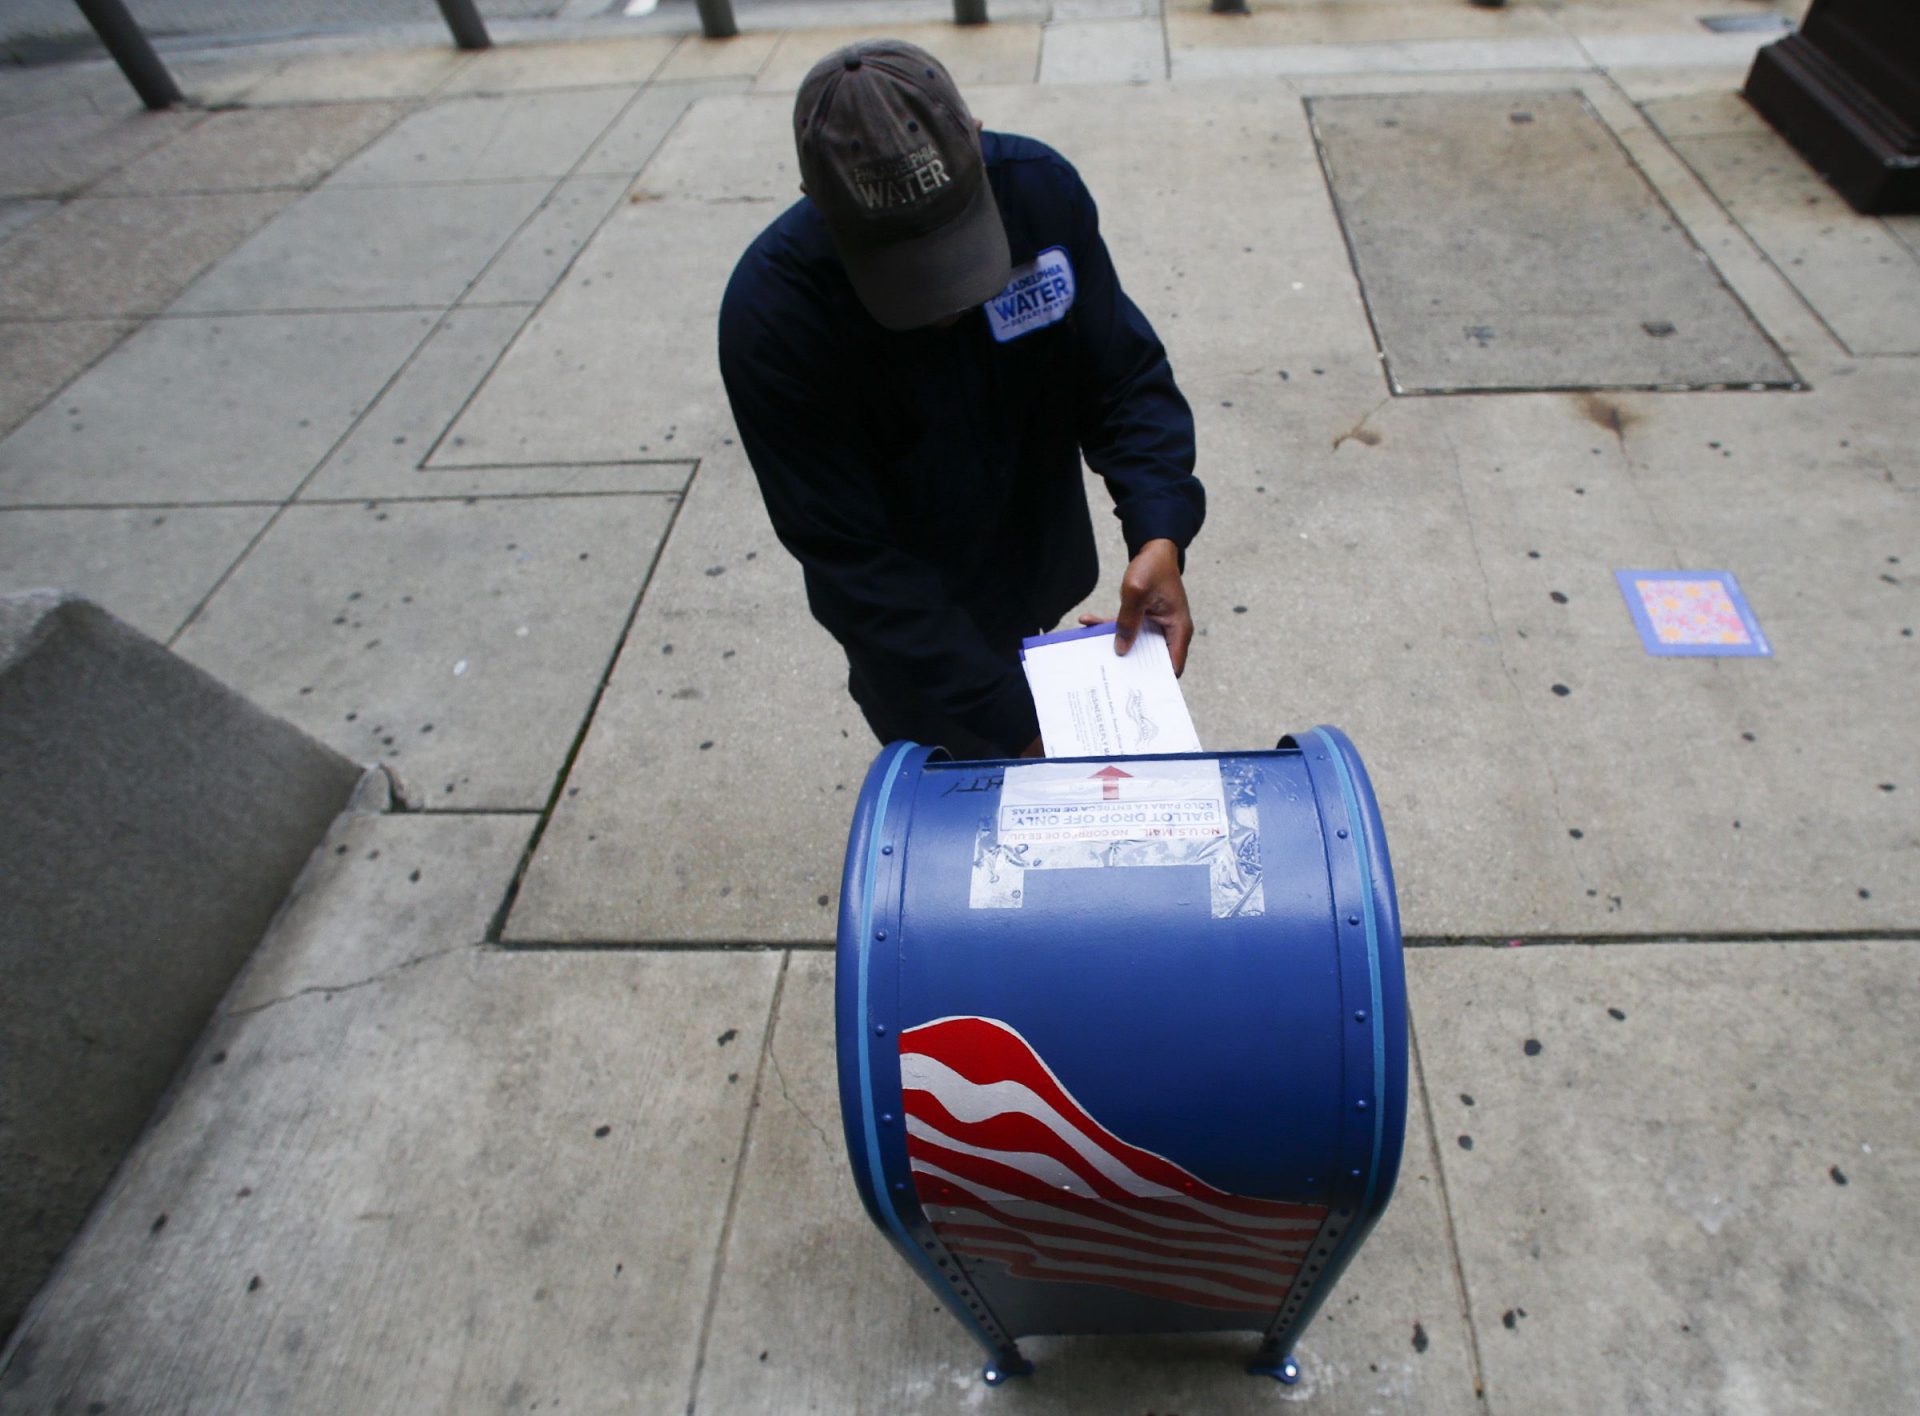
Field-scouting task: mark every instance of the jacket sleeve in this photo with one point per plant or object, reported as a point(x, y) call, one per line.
point(884, 604)
point(1134, 425)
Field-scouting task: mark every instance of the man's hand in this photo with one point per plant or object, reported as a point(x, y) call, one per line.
point(1152, 591)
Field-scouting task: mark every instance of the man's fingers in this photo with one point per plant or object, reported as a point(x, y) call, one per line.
point(1132, 610)
point(1179, 632)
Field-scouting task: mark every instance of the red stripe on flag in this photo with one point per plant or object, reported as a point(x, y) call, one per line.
point(1013, 1133)
point(985, 1051)
point(1272, 1290)
point(1030, 1147)
point(1096, 1218)
point(1009, 1180)
point(1025, 1265)
point(1201, 1251)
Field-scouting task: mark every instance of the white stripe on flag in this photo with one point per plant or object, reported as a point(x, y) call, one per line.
point(974, 1102)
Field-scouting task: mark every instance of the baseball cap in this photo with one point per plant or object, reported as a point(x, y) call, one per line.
point(890, 155)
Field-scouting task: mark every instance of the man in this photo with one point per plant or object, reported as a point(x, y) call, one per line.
point(918, 353)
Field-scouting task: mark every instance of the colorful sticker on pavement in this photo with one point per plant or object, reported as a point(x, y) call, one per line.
point(1691, 612)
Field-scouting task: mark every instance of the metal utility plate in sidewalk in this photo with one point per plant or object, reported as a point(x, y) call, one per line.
point(1507, 241)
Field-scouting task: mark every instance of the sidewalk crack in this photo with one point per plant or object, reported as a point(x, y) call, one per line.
point(1507, 669)
point(1360, 432)
point(1462, 1294)
point(329, 989)
point(773, 1055)
point(725, 1243)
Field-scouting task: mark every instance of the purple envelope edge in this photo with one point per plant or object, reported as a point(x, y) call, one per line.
point(1060, 636)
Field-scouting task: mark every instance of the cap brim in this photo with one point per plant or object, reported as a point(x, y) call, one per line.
point(907, 284)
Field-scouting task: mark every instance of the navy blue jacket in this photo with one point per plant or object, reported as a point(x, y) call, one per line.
point(929, 482)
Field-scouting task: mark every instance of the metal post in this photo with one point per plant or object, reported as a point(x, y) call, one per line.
point(716, 19)
point(132, 52)
point(469, 30)
point(969, 12)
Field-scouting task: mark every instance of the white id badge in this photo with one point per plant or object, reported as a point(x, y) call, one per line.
point(1040, 294)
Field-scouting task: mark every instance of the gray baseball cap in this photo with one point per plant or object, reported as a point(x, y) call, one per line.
point(891, 156)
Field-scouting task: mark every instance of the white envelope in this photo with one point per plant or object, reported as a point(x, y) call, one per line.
point(1093, 702)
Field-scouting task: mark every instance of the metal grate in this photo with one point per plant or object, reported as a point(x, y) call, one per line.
point(1768, 23)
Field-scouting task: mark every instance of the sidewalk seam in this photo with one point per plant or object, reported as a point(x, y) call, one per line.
point(1536, 739)
point(423, 499)
point(1906, 935)
point(292, 497)
point(1765, 256)
point(686, 462)
point(445, 313)
point(554, 184)
point(1446, 1208)
point(1693, 238)
point(733, 1190)
point(560, 277)
point(469, 498)
point(1751, 936)
point(665, 946)
point(496, 927)
point(1338, 213)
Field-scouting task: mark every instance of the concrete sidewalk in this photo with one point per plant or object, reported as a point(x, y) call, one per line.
point(383, 388)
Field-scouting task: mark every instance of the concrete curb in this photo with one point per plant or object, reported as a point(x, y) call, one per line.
point(151, 825)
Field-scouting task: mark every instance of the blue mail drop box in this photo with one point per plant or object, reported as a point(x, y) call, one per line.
point(1123, 1044)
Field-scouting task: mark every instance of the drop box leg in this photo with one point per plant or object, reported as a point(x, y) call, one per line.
point(1006, 1364)
point(1284, 1370)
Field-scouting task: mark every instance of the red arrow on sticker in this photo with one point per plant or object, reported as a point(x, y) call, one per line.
point(1109, 779)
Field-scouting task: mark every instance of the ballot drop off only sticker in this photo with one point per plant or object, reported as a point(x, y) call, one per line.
point(1047, 803)
point(1093, 815)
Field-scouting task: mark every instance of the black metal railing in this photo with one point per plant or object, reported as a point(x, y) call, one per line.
point(134, 53)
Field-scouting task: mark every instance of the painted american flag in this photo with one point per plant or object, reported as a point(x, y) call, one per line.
point(1010, 1169)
